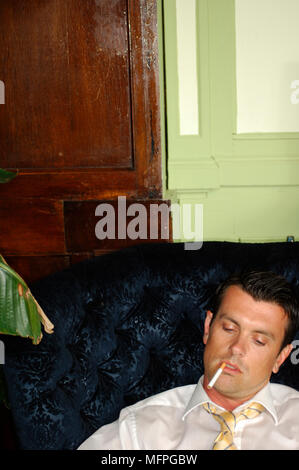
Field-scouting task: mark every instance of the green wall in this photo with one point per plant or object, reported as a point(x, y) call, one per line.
point(249, 183)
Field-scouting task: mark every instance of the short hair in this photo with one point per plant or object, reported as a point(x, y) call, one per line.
point(266, 286)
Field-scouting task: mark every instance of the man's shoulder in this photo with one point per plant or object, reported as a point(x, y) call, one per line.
point(176, 397)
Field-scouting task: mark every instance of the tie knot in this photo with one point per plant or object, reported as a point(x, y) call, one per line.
point(228, 421)
point(251, 411)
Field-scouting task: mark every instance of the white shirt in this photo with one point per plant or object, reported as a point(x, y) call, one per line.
point(176, 420)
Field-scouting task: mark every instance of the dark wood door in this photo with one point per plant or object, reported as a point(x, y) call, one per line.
point(80, 122)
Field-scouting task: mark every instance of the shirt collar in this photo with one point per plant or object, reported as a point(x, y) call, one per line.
point(199, 397)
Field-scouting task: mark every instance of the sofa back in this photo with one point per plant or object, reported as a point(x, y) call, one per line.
point(127, 325)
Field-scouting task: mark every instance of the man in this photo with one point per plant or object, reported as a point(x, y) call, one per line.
point(249, 328)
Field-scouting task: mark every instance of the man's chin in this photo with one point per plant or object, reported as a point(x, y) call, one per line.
point(230, 386)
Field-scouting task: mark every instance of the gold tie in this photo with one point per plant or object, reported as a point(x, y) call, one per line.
point(228, 421)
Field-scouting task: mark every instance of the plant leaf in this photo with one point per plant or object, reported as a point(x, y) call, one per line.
point(20, 314)
point(6, 176)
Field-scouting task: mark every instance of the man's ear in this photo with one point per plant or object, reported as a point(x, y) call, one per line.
point(208, 320)
point(284, 353)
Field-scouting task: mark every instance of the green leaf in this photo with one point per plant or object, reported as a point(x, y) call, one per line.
point(6, 176)
point(20, 314)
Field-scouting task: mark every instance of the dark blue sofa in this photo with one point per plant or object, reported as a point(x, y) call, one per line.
point(127, 325)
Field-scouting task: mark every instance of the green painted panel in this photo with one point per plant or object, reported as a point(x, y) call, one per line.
point(248, 214)
point(181, 147)
point(248, 184)
point(225, 141)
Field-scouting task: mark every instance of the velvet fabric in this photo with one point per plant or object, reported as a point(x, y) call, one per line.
point(127, 325)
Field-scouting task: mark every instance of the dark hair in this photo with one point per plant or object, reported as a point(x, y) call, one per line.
point(266, 286)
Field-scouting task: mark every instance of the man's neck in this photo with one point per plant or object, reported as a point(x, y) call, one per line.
point(228, 403)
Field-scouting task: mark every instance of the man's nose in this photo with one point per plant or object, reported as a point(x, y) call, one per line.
point(239, 345)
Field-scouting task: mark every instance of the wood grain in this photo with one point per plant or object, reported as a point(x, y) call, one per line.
point(81, 124)
point(31, 226)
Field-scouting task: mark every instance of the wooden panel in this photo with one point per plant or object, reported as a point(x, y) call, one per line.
point(146, 99)
point(80, 123)
point(88, 184)
point(78, 257)
point(32, 268)
point(72, 106)
point(82, 92)
point(31, 226)
point(80, 224)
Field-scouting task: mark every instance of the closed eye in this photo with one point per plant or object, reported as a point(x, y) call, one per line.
point(259, 343)
point(227, 328)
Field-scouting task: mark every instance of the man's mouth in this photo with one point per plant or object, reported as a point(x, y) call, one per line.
point(231, 368)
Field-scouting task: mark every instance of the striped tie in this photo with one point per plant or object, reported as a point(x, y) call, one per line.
point(228, 421)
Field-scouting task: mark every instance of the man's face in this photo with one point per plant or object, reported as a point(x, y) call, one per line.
point(247, 335)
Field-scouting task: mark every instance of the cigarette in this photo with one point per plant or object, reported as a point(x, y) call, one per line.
point(216, 375)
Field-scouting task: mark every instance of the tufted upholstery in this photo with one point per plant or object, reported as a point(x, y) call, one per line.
point(127, 325)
